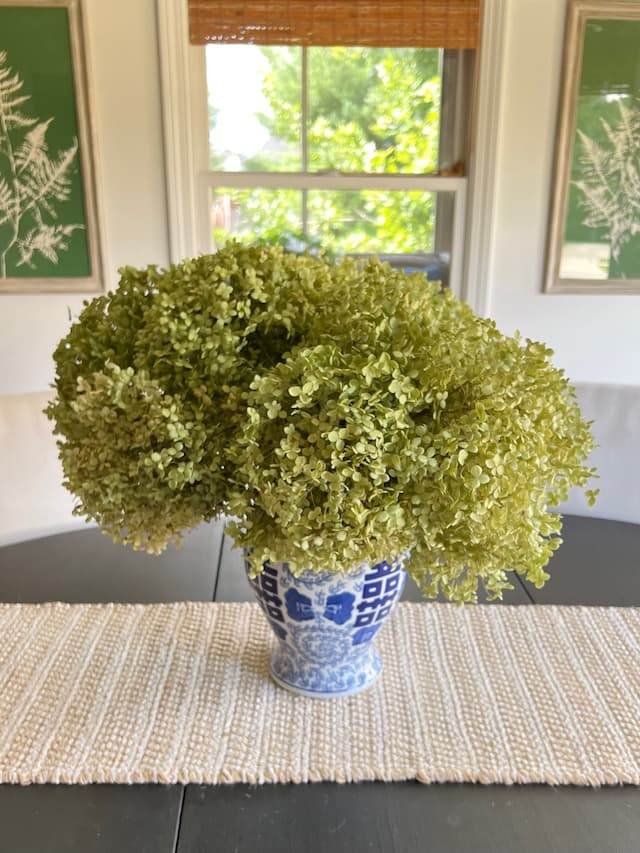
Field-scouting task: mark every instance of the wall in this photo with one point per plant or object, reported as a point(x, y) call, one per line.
point(125, 81)
point(595, 338)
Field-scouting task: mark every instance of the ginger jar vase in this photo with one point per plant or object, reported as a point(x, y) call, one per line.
point(326, 624)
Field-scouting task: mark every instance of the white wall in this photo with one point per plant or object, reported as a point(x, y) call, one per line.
point(595, 338)
point(125, 81)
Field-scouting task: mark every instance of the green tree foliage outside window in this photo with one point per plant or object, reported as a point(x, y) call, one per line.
point(369, 110)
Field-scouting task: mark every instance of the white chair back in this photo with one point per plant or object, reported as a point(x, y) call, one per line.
point(615, 411)
point(33, 502)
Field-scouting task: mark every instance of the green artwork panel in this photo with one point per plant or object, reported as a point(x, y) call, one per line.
point(602, 229)
point(43, 218)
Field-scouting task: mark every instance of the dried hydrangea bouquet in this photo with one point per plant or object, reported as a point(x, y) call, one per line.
point(355, 421)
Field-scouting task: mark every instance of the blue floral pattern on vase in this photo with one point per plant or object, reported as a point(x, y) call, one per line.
point(325, 624)
point(339, 607)
point(299, 607)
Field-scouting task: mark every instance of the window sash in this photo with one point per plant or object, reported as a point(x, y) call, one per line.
point(339, 181)
point(457, 69)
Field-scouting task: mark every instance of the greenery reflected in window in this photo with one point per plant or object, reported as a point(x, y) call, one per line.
point(369, 111)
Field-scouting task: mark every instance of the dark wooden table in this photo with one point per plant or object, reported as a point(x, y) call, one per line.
point(598, 564)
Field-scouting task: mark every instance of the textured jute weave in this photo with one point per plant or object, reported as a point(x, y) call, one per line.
point(181, 693)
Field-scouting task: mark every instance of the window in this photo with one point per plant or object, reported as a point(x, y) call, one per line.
point(336, 147)
point(360, 146)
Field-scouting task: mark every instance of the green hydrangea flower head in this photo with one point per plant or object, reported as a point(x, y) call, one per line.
point(340, 412)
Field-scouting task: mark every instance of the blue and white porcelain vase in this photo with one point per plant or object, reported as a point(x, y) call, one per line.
point(326, 623)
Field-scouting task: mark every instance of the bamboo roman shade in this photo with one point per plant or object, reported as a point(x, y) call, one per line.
point(374, 23)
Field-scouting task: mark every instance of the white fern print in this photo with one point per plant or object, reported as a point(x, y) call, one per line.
point(32, 183)
point(610, 178)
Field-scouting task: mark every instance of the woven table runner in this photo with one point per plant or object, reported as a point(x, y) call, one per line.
point(181, 693)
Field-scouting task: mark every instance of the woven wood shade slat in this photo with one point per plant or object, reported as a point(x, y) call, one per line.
point(450, 24)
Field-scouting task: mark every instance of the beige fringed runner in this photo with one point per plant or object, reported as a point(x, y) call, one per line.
point(180, 693)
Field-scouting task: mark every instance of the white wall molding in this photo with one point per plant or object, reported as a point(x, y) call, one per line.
point(184, 115)
point(485, 157)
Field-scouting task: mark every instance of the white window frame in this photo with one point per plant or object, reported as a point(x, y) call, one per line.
point(189, 179)
point(457, 187)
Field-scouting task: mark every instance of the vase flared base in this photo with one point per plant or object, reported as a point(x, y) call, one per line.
point(327, 683)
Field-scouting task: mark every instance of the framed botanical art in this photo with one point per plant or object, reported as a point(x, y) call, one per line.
point(594, 233)
point(50, 234)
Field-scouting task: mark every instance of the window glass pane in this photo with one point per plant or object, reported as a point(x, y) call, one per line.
point(273, 216)
point(341, 221)
point(396, 226)
point(249, 129)
point(368, 109)
point(373, 109)
point(372, 220)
